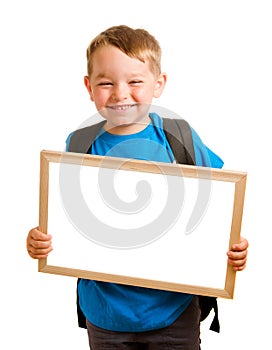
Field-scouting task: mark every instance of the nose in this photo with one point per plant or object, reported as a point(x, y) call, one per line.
point(120, 92)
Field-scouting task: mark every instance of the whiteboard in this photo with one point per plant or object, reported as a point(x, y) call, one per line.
point(150, 224)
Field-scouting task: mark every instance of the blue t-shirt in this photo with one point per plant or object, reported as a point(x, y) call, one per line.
point(127, 308)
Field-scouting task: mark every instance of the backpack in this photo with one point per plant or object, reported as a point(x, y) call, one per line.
point(179, 136)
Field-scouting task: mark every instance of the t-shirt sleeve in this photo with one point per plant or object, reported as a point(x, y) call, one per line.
point(67, 142)
point(203, 155)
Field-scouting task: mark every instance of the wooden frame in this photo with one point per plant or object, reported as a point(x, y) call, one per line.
point(235, 177)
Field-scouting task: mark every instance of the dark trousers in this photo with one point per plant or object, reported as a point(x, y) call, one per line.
point(183, 334)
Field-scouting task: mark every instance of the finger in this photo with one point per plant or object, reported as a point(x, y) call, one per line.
point(37, 235)
point(39, 244)
point(243, 245)
point(237, 255)
point(39, 253)
point(238, 265)
point(239, 268)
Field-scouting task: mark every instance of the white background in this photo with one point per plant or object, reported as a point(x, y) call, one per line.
point(218, 58)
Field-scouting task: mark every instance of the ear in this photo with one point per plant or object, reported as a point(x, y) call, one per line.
point(160, 84)
point(88, 87)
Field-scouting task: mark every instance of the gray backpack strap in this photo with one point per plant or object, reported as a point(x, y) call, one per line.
point(179, 136)
point(82, 139)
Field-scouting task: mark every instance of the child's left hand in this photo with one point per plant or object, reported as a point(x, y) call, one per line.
point(237, 256)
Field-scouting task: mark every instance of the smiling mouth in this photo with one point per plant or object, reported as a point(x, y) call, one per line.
point(121, 107)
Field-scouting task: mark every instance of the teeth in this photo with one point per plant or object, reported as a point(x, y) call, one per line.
point(121, 108)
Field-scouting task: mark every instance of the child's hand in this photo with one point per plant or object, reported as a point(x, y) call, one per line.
point(38, 244)
point(237, 256)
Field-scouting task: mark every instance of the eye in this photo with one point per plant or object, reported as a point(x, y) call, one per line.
point(135, 82)
point(105, 83)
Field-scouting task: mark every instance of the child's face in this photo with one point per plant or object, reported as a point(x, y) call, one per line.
point(122, 88)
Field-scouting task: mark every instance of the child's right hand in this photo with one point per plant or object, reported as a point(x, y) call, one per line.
point(38, 244)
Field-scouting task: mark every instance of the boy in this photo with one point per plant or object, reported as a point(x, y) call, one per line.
point(124, 75)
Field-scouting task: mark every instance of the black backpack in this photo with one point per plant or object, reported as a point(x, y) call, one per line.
point(179, 136)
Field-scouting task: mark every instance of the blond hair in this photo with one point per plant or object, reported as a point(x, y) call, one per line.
point(136, 43)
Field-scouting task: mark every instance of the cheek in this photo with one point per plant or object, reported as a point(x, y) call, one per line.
point(144, 95)
point(100, 98)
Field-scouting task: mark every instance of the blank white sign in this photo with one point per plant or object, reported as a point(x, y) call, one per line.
point(175, 257)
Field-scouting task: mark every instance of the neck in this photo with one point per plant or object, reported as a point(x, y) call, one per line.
point(127, 129)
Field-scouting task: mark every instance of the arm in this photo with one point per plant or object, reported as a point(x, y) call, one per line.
point(237, 256)
point(38, 244)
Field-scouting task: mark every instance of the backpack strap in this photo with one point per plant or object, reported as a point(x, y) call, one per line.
point(82, 139)
point(206, 305)
point(179, 136)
